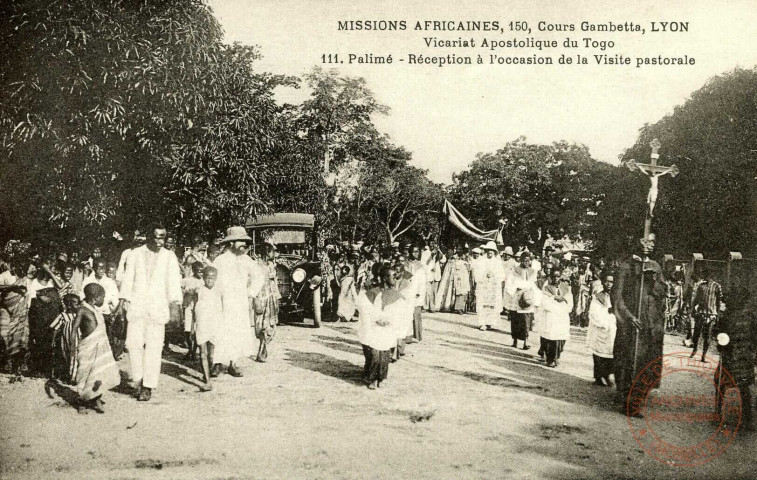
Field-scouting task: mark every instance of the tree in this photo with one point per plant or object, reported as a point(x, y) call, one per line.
point(534, 188)
point(383, 196)
point(401, 198)
point(337, 116)
point(711, 205)
point(120, 111)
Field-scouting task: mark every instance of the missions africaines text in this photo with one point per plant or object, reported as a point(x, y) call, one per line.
point(482, 26)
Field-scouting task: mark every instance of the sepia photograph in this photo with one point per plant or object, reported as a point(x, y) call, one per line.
point(351, 239)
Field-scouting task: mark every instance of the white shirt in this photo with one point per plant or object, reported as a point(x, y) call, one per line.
point(111, 293)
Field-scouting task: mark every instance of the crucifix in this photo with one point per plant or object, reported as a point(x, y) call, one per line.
point(654, 172)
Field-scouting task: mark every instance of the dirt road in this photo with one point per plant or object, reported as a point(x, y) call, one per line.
point(461, 404)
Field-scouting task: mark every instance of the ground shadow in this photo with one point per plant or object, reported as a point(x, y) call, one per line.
point(124, 388)
point(178, 366)
point(474, 326)
point(341, 344)
point(66, 392)
point(553, 383)
point(442, 333)
point(489, 379)
point(550, 383)
point(189, 376)
point(326, 365)
point(499, 351)
point(342, 327)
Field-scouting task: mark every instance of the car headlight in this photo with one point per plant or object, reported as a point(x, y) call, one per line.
point(298, 276)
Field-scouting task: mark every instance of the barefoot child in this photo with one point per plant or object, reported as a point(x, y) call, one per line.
point(189, 286)
point(97, 370)
point(207, 312)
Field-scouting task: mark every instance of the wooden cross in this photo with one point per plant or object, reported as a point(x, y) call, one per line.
point(654, 172)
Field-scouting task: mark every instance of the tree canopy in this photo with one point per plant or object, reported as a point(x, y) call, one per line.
point(535, 189)
point(116, 111)
point(711, 205)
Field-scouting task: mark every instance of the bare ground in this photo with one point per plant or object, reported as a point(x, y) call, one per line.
point(461, 404)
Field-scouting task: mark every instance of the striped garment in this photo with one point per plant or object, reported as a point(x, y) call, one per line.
point(64, 326)
point(96, 362)
point(707, 298)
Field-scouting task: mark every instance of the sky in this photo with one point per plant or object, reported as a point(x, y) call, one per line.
point(446, 115)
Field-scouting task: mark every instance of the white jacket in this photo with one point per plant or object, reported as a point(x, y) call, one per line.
point(149, 297)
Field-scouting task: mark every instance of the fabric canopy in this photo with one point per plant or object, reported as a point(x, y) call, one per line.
point(464, 225)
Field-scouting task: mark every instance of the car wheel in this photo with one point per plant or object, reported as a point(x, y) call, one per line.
point(317, 307)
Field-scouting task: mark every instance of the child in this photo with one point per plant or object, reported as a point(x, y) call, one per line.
point(65, 340)
point(207, 312)
point(213, 252)
point(97, 370)
point(112, 269)
point(189, 286)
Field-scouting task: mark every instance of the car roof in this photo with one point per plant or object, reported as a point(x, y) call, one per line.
point(301, 220)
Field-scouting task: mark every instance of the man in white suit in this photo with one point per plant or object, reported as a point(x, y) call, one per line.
point(151, 293)
point(240, 279)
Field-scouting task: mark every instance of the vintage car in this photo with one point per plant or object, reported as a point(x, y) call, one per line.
point(298, 269)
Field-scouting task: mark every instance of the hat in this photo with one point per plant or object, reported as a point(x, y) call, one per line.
point(508, 251)
point(63, 257)
point(490, 245)
point(477, 250)
point(526, 299)
point(524, 254)
point(568, 256)
point(236, 234)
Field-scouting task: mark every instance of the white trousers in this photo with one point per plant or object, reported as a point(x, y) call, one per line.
point(144, 339)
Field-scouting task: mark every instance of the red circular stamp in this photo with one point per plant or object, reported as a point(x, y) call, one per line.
point(694, 419)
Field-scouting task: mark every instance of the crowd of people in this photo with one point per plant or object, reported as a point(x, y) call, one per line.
point(624, 305)
point(71, 318)
point(541, 294)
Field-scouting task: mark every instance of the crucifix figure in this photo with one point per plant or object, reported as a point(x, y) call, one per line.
point(642, 318)
point(654, 172)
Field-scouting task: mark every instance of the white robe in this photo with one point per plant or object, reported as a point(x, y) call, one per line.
point(370, 333)
point(239, 279)
point(404, 324)
point(507, 298)
point(347, 298)
point(600, 337)
point(418, 270)
point(552, 318)
point(489, 275)
point(520, 279)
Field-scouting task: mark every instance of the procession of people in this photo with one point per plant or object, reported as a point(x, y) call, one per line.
point(72, 321)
